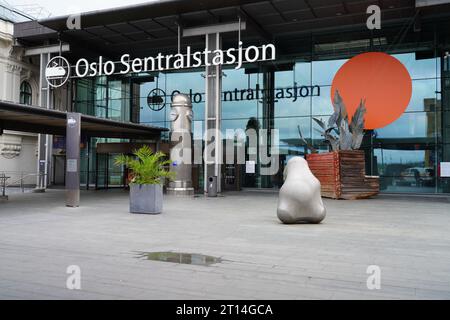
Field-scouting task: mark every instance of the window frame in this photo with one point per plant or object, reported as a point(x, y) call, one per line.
point(26, 93)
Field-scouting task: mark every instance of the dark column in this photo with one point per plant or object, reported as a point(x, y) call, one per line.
point(445, 109)
point(73, 131)
point(268, 120)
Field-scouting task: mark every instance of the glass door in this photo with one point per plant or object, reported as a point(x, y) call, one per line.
point(116, 174)
point(101, 172)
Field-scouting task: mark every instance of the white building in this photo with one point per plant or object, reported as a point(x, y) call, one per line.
point(19, 82)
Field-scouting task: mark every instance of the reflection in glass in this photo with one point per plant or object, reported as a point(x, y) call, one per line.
point(290, 143)
point(321, 105)
point(403, 170)
point(100, 99)
point(287, 101)
point(118, 101)
point(419, 69)
point(409, 125)
point(423, 96)
point(323, 71)
point(302, 73)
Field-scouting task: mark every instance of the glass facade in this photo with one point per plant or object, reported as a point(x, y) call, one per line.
point(405, 154)
point(105, 98)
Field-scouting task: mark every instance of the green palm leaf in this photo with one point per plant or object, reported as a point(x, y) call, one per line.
point(147, 167)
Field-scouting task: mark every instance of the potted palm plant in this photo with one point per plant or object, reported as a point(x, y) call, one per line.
point(146, 186)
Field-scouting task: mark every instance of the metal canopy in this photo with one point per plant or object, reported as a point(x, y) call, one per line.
point(45, 121)
point(147, 29)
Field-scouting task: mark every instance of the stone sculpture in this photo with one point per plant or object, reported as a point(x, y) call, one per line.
point(299, 200)
point(181, 146)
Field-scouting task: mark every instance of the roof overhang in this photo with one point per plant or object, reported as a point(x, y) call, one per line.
point(429, 3)
point(25, 118)
point(294, 26)
point(149, 28)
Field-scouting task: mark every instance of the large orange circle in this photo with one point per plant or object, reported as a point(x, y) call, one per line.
point(381, 80)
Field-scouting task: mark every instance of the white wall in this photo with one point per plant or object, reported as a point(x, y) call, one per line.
point(18, 151)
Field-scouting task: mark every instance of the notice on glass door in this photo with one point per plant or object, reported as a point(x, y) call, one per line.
point(445, 169)
point(250, 166)
point(72, 165)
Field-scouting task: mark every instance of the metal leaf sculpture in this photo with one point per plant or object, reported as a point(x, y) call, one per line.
point(340, 112)
point(306, 143)
point(357, 125)
point(332, 140)
point(345, 137)
point(321, 124)
point(326, 132)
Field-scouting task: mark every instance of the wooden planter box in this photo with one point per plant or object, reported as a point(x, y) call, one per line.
point(342, 175)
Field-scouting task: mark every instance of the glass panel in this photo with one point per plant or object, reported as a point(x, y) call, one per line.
point(302, 73)
point(291, 98)
point(102, 172)
point(406, 169)
point(92, 143)
point(84, 160)
point(190, 83)
point(187, 82)
point(119, 101)
point(25, 98)
point(25, 93)
point(410, 125)
point(419, 69)
point(290, 143)
point(241, 94)
point(238, 79)
point(25, 87)
point(323, 71)
point(100, 100)
point(199, 110)
point(240, 109)
point(423, 95)
point(233, 125)
point(321, 104)
point(147, 115)
point(115, 173)
point(84, 96)
point(288, 107)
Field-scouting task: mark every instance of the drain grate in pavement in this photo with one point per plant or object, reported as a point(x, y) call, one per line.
point(180, 257)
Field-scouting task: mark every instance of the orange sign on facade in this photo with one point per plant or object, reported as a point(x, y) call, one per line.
point(380, 79)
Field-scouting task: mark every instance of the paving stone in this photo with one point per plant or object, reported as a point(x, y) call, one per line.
point(406, 236)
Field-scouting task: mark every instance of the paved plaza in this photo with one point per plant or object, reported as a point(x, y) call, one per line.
point(407, 237)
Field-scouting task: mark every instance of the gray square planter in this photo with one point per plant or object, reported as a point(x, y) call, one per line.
point(146, 198)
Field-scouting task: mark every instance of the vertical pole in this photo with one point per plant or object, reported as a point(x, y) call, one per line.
point(73, 132)
point(218, 113)
point(48, 138)
point(179, 37)
point(40, 184)
point(267, 122)
point(3, 185)
point(213, 109)
point(207, 102)
point(88, 154)
point(44, 141)
point(107, 171)
point(96, 170)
